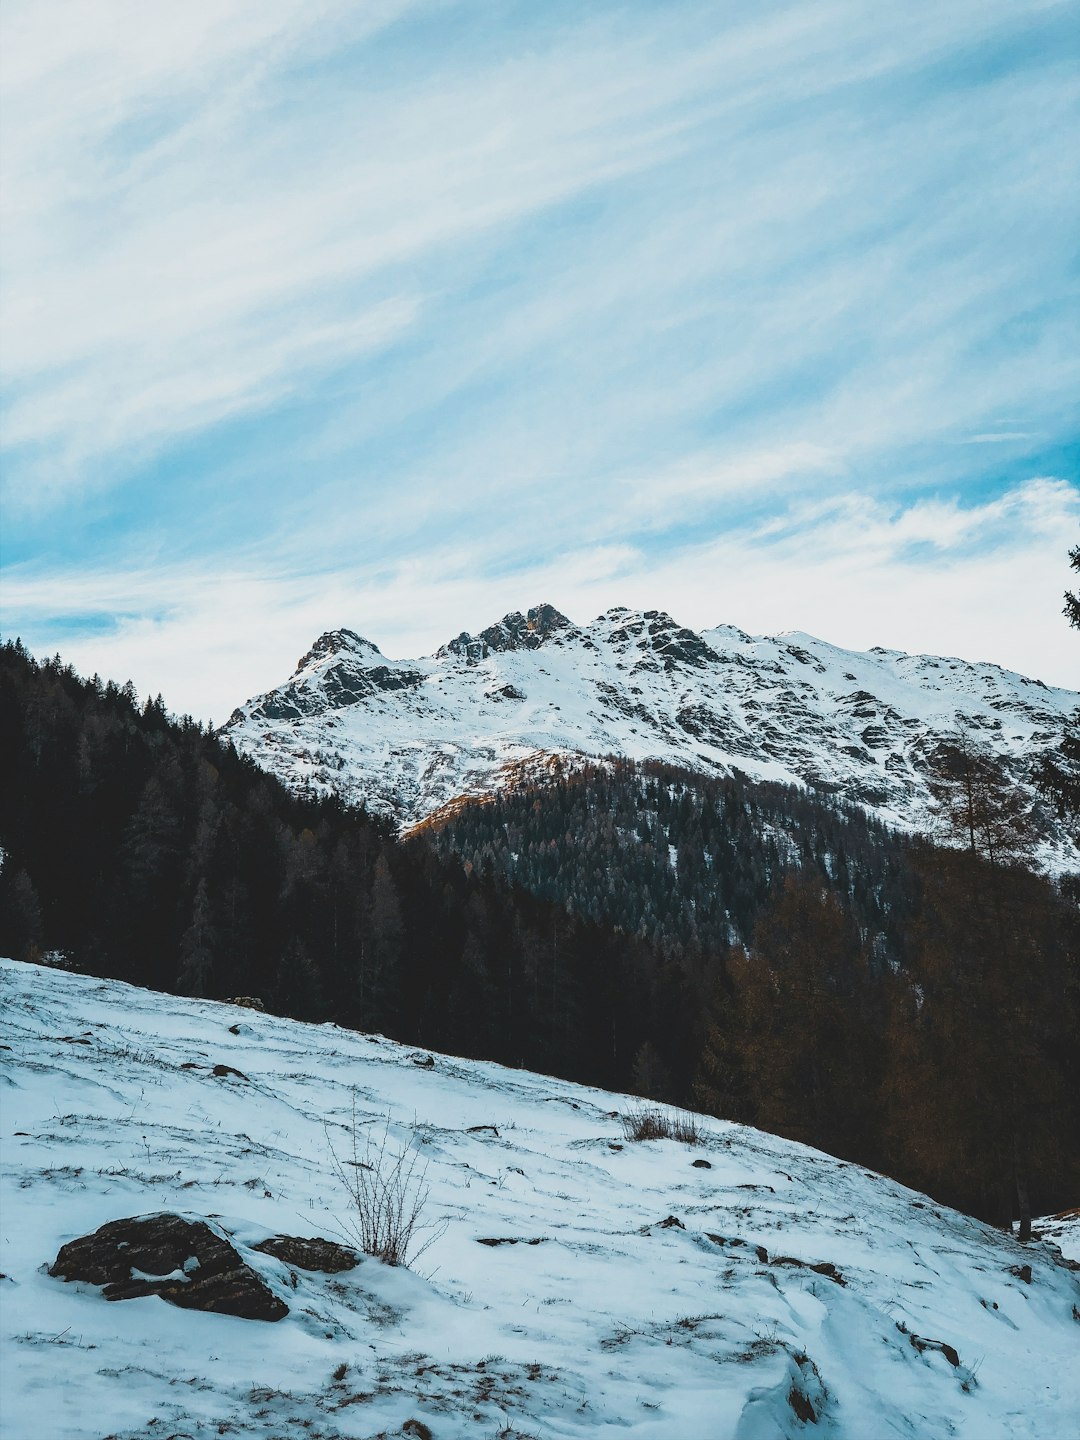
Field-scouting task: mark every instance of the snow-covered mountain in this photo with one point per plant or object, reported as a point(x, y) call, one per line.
point(407, 737)
point(578, 1284)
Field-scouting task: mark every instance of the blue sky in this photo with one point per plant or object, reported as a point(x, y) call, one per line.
point(402, 315)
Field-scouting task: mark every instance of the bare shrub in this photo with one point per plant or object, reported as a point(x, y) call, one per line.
point(388, 1192)
point(644, 1123)
point(687, 1129)
point(647, 1122)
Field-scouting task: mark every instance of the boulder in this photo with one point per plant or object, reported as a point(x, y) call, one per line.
point(183, 1261)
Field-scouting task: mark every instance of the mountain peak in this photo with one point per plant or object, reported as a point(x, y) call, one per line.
point(658, 636)
point(513, 632)
point(338, 642)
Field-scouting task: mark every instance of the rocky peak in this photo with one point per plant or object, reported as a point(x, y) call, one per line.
point(338, 642)
point(662, 639)
point(513, 632)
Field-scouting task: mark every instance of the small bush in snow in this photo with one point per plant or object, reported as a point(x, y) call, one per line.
point(646, 1122)
point(388, 1192)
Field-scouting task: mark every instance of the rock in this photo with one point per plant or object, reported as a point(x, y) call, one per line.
point(494, 1240)
point(223, 1070)
point(826, 1267)
point(672, 1223)
point(702, 1164)
point(198, 1268)
point(310, 1254)
point(426, 1062)
point(1022, 1272)
point(823, 1267)
point(921, 1343)
point(250, 1002)
point(759, 1250)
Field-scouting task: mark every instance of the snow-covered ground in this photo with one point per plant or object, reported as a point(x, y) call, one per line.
point(408, 737)
point(643, 1306)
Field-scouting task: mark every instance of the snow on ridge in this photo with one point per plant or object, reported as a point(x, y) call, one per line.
point(407, 737)
point(634, 1291)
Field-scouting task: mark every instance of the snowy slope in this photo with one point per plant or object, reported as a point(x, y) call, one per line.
point(610, 1323)
point(407, 737)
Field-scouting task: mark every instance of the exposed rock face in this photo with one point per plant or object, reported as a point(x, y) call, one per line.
point(184, 1261)
point(513, 632)
point(410, 737)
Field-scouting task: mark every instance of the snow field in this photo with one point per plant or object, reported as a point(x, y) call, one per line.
point(614, 1323)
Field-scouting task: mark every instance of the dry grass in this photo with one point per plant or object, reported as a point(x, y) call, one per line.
point(649, 1122)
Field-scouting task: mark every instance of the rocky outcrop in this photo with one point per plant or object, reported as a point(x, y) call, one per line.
point(184, 1261)
point(513, 632)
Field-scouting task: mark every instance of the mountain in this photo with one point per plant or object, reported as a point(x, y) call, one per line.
point(579, 1283)
point(884, 970)
point(534, 692)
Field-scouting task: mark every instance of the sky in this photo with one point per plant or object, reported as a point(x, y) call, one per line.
point(403, 315)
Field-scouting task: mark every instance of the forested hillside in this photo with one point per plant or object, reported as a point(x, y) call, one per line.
point(684, 860)
point(776, 961)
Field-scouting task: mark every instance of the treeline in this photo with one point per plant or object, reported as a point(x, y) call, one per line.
point(776, 962)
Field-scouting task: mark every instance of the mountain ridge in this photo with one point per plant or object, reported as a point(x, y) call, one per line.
point(407, 737)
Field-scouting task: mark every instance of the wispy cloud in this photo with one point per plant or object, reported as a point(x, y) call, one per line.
point(316, 313)
point(850, 569)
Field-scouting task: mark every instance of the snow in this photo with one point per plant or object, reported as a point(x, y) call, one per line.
point(600, 1320)
point(408, 737)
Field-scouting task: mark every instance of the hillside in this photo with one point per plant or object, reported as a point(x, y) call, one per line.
point(654, 1289)
point(685, 860)
point(408, 737)
point(880, 972)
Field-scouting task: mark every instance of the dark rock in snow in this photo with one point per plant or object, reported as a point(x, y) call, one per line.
point(922, 1344)
point(183, 1261)
point(494, 1240)
point(759, 1250)
point(313, 1253)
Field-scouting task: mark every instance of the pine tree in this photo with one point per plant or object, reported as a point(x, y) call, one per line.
point(197, 946)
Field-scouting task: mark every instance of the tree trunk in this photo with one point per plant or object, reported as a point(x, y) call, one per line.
point(1025, 1206)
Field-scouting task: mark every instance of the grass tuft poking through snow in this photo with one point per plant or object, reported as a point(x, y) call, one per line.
point(648, 1122)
